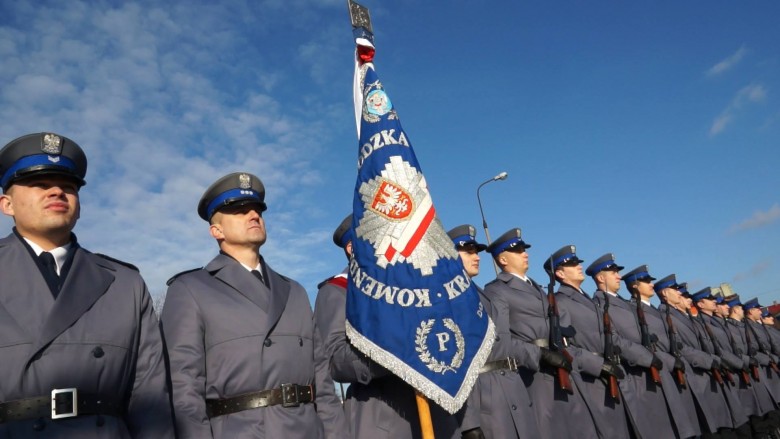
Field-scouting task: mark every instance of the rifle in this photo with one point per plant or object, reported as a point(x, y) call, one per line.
point(557, 342)
point(742, 373)
point(716, 347)
point(640, 315)
point(714, 371)
point(609, 350)
point(674, 349)
point(751, 351)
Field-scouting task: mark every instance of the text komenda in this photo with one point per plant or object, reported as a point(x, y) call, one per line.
point(405, 297)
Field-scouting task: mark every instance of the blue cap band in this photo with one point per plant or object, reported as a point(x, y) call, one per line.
point(598, 268)
point(504, 245)
point(465, 238)
point(229, 196)
point(664, 284)
point(563, 258)
point(38, 160)
point(635, 276)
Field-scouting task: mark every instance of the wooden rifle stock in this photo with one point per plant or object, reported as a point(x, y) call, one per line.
point(609, 351)
point(645, 334)
point(556, 338)
point(716, 374)
point(673, 348)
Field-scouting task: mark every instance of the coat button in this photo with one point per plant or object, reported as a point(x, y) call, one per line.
point(514, 407)
point(267, 342)
point(498, 338)
point(97, 352)
point(502, 372)
point(300, 341)
point(39, 424)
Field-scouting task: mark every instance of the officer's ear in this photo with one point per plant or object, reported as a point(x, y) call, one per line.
point(216, 231)
point(6, 205)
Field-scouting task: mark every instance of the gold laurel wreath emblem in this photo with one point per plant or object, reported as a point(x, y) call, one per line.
point(425, 355)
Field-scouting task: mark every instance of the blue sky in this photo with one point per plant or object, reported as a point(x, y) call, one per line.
point(650, 130)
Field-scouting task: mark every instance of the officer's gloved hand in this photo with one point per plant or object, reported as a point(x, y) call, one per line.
point(657, 363)
point(608, 369)
point(474, 433)
point(679, 365)
point(554, 359)
point(715, 363)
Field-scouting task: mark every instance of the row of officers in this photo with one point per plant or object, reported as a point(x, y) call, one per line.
point(239, 353)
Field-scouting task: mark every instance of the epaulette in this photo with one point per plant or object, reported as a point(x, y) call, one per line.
point(173, 278)
point(126, 264)
point(337, 280)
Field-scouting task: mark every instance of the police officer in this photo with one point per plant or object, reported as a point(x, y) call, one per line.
point(642, 394)
point(715, 418)
point(589, 346)
point(500, 401)
point(753, 394)
point(522, 303)
point(80, 348)
point(715, 338)
point(678, 395)
point(378, 403)
point(246, 357)
point(762, 347)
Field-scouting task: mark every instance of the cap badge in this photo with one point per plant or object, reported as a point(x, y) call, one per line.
point(472, 231)
point(52, 144)
point(244, 181)
point(572, 249)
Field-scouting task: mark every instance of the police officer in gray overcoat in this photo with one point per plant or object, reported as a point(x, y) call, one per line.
point(762, 347)
point(715, 415)
point(246, 358)
point(378, 404)
point(643, 396)
point(522, 302)
point(673, 379)
point(715, 338)
point(80, 347)
point(586, 316)
point(500, 401)
point(753, 394)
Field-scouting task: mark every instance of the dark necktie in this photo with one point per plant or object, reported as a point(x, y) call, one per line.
point(50, 272)
point(259, 276)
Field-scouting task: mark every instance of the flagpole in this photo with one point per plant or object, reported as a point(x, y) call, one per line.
point(363, 32)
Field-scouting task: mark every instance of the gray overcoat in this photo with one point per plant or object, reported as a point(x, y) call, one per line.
point(643, 397)
point(762, 346)
point(500, 398)
point(559, 415)
point(762, 398)
point(379, 404)
point(707, 392)
point(585, 315)
point(228, 334)
point(100, 336)
point(679, 398)
point(728, 361)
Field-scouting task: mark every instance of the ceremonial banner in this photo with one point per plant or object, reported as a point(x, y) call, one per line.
point(411, 306)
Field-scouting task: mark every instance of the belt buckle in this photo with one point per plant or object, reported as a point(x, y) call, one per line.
point(512, 363)
point(290, 395)
point(61, 399)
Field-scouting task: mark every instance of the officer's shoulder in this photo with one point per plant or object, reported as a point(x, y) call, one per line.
point(117, 261)
point(336, 280)
point(178, 275)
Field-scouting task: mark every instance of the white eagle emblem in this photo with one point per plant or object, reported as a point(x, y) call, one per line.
point(400, 220)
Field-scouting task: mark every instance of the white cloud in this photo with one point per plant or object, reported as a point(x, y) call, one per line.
point(752, 272)
point(166, 99)
point(749, 94)
point(759, 219)
point(728, 63)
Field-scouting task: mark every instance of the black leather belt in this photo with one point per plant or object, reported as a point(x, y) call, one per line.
point(506, 363)
point(289, 395)
point(61, 403)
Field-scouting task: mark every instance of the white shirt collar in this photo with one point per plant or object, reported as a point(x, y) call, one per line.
point(523, 278)
point(60, 253)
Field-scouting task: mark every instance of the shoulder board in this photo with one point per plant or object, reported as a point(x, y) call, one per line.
point(337, 280)
point(173, 278)
point(126, 264)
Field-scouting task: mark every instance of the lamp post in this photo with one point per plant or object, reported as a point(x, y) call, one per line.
point(501, 176)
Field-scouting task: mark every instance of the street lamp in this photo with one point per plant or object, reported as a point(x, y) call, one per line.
point(501, 176)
